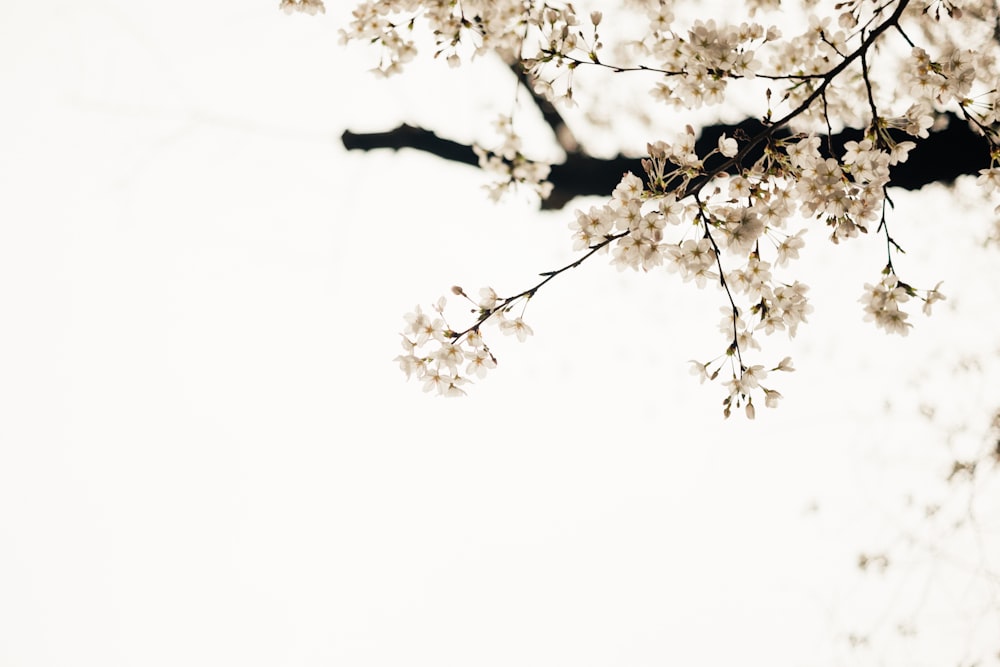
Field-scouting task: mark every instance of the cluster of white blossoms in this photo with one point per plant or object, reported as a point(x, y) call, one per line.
point(706, 58)
point(444, 360)
point(882, 303)
point(733, 219)
point(510, 167)
point(482, 26)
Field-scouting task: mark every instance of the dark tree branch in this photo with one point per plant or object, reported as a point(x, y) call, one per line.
point(941, 158)
point(407, 136)
point(550, 114)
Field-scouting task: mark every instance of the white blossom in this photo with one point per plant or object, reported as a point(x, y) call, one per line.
point(728, 146)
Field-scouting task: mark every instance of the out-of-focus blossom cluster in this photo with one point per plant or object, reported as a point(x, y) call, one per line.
point(305, 6)
point(509, 167)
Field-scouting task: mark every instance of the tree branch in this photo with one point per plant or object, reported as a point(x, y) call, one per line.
point(941, 158)
point(550, 114)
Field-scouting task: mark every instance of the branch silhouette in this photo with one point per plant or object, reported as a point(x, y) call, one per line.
point(945, 155)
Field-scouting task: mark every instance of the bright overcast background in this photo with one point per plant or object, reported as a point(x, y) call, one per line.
point(208, 456)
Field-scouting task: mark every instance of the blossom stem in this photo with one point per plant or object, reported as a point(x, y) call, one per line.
point(722, 279)
point(547, 275)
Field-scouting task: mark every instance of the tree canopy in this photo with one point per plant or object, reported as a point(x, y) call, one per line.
point(848, 99)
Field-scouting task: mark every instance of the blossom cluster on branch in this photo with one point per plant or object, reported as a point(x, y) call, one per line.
point(719, 219)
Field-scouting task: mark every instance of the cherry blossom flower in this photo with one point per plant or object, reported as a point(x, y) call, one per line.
point(881, 304)
point(989, 179)
point(487, 298)
point(933, 296)
point(727, 146)
point(518, 327)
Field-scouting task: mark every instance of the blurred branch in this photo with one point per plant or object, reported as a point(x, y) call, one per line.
point(407, 136)
point(550, 114)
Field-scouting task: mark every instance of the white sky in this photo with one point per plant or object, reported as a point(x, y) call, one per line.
point(207, 456)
